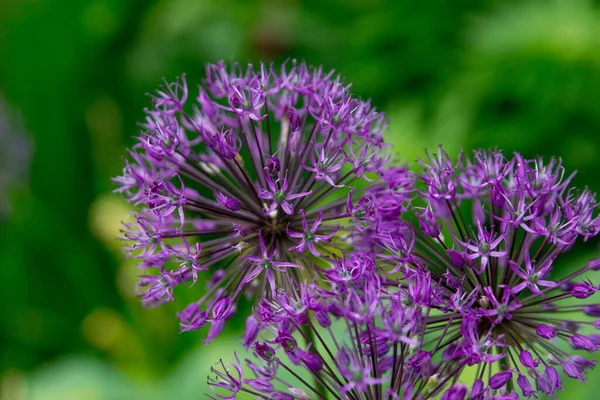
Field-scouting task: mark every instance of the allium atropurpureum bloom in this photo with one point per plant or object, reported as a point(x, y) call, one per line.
point(246, 187)
point(488, 233)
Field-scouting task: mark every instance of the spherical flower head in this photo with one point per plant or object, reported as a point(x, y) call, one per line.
point(488, 231)
point(250, 182)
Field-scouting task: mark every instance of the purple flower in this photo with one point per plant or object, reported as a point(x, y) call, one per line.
point(312, 361)
point(549, 382)
point(573, 370)
point(525, 386)
point(221, 310)
point(267, 264)
point(531, 276)
point(439, 175)
point(310, 237)
point(527, 360)
point(545, 331)
point(264, 351)
point(273, 166)
point(583, 290)
point(251, 331)
point(428, 223)
point(456, 392)
point(171, 97)
point(228, 380)
point(192, 317)
point(499, 379)
point(323, 167)
point(277, 192)
point(592, 310)
point(254, 172)
point(484, 247)
point(583, 342)
point(229, 203)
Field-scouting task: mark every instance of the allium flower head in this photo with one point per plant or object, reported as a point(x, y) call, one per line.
point(480, 259)
point(249, 183)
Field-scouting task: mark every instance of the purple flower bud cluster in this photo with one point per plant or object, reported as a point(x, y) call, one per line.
point(244, 187)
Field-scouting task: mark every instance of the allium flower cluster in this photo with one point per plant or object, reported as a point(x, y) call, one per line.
point(399, 287)
point(245, 187)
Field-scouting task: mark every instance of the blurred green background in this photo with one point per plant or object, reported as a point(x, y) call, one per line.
point(520, 75)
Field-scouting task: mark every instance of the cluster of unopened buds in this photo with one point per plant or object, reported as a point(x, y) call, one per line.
point(368, 280)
